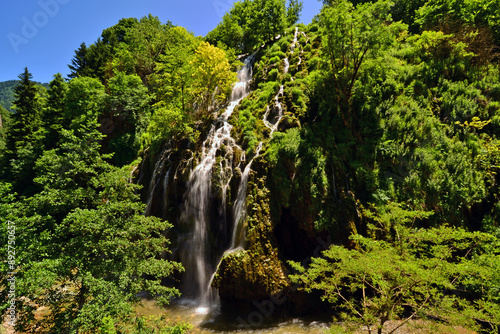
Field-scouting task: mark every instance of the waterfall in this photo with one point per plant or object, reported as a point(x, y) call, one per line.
point(292, 47)
point(166, 179)
point(239, 208)
point(217, 151)
point(155, 179)
point(287, 65)
point(273, 126)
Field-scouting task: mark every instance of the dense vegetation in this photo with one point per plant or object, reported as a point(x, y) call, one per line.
point(7, 93)
point(389, 143)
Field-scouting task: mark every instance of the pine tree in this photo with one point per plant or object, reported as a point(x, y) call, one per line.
point(4, 125)
point(54, 112)
point(24, 136)
point(79, 62)
point(26, 104)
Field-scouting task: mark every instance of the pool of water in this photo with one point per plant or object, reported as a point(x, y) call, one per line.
point(206, 321)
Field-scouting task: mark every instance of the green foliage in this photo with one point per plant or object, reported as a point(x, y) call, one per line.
point(440, 56)
point(472, 12)
point(417, 274)
point(144, 44)
point(172, 82)
point(84, 101)
point(228, 32)
point(251, 23)
point(53, 113)
point(108, 326)
point(91, 247)
point(350, 35)
point(27, 105)
point(406, 11)
point(7, 93)
point(93, 61)
point(293, 11)
point(5, 118)
point(212, 78)
point(128, 105)
point(374, 113)
point(79, 64)
point(25, 133)
point(153, 325)
point(165, 125)
point(128, 97)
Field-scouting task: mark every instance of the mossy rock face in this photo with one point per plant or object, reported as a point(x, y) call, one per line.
point(255, 272)
point(246, 276)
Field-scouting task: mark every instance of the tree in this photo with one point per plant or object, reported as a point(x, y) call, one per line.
point(268, 20)
point(111, 250)
point(250, 23)
point(167, 124)
point(118, 33)
point(128, 112)
point(408, 272)
point(84, 101)
point(90, 61)
point(349, 36)
point(212, 78)
point(293, 11)
point(4, 125)
point(144, 43)
point(86, 249)
point(174, 75)
point(476, 13)
point(24, 136)
point(127, 97)
point(53, 115)
point(96, 59)
point(79, 64)
point(228, 32)
point(27, 118)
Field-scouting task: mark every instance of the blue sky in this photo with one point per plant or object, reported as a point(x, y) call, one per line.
point(43, 34)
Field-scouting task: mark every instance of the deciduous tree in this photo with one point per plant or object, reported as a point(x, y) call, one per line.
point(212, 78)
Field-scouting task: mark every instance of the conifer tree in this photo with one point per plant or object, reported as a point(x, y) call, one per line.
point(27, 117)
point(79, 62)
point(53, 114)
point(24, 137)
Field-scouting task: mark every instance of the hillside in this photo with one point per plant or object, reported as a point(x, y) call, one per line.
point(267, 172)
point(7, 93)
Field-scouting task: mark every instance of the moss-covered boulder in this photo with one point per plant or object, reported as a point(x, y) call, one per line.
point(255, 272)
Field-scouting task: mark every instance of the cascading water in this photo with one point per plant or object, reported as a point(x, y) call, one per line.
point(155, 179)
point(195, 253)
point(292, 47)
point(166, 179)
point(277, 110)
point(239, 209)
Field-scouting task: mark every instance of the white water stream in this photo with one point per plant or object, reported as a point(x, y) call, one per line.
point(219, 147)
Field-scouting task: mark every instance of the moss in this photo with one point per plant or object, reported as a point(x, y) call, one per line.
point(256, 272)
point(273, 74)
